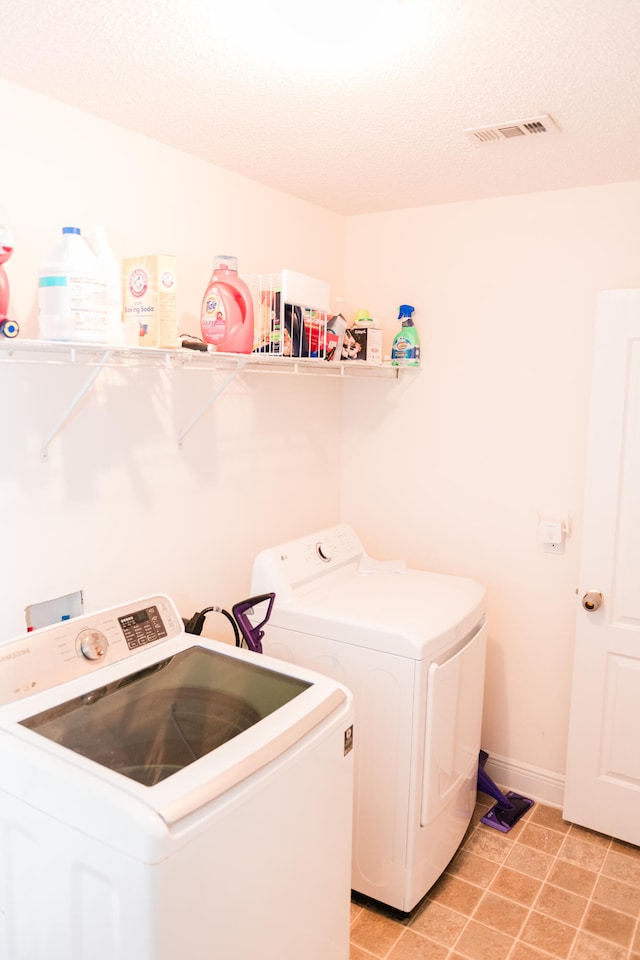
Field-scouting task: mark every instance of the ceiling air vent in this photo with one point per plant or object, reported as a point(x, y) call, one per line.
point(514, 128)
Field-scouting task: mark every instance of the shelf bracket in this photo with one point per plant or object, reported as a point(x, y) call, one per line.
point(223, 386)
point(57, 427)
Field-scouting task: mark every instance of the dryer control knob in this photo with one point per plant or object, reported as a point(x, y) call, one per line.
point(324, 551)
point(92, 644)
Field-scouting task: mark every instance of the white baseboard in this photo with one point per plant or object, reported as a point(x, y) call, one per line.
point(545, 786)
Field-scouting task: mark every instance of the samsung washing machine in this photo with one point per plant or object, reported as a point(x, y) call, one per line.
point(163, 795)
point(411, 647)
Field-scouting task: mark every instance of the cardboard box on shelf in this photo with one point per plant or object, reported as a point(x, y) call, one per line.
point(149, 295)
point(363, 343)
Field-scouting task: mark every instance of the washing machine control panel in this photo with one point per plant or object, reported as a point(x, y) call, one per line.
point(141, 627)
point(53, 655)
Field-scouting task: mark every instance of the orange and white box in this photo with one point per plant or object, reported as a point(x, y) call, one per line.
point(149, 295)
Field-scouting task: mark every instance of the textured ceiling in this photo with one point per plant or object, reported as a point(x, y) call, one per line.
point(354, 105)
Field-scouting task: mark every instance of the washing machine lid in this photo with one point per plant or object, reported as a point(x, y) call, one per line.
point(414, 614)
point(159, 719)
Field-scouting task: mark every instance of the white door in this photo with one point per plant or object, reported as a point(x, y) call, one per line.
point(602, 789)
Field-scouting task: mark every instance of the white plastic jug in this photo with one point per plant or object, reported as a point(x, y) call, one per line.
point(111, 269)
point(72, 293)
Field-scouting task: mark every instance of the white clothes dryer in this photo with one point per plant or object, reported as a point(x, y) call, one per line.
point(163, 795)
point(411, 646)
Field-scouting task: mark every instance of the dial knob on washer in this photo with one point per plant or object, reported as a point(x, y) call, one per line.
point(92, 644)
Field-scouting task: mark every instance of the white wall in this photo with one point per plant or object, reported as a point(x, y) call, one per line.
point(451, 467)
point(118, 510)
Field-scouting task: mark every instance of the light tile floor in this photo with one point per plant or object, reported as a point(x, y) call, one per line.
point(547, 890)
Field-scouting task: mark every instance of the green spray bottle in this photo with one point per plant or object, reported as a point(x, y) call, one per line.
point(406, 344)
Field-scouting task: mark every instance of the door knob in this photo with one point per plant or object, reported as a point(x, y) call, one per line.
point(592, 600)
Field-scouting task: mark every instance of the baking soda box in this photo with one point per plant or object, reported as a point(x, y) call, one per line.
point(149, 296)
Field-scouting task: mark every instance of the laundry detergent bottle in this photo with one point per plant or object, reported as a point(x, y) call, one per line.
point(406, 344)
point(226, 317)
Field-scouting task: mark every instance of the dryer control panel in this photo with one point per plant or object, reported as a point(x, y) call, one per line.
point(288, 567)
point(52, 655)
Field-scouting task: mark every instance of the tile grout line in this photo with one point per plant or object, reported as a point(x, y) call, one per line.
point(557, 858)
point(453, 949)
point(580, 926)
point(600, 874)
point(530, 907)
point(545, 883)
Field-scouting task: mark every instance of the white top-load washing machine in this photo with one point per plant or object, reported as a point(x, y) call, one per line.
point(164, 795)
point(411, 647)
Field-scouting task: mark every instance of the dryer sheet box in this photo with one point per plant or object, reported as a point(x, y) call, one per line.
point(363, 343)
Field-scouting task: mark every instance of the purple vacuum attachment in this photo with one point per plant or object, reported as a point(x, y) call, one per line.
point(252, 633)
point(510, 806)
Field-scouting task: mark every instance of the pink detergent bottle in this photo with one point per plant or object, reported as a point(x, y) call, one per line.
point(226, 318)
